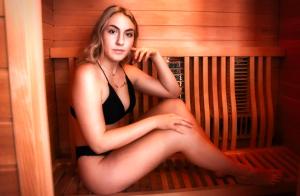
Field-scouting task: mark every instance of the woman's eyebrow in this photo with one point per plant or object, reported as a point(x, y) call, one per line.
point(130, 29)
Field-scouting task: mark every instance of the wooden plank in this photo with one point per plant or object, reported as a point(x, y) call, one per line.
point(164, 178)
point(165, 17)
point(197, 90)
point(187, 82)
point(5, 102)
point(48, 31)
point(1, 7)
point(66, 52)
point(261, 102)
point(3, 52)
point(269, 102)
point(154, 74)
point(47, 14)
point(173, 174)
point(154, 43)
point(9, 180)
point(7, 145)
point(81, 33)
point(233, 104)
point(206, 96)
point(224, 104)
point(267, 6)
point(184, 174)
point(216, 113)
point(289, 175)
point(253, 106)
point(145, 68)
point(24, 25)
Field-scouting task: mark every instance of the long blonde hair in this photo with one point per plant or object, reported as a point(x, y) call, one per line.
point(93, 51)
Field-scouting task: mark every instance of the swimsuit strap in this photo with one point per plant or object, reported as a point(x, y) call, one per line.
point(103, 71)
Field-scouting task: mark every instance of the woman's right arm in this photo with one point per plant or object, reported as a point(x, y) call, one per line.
point(86, 98)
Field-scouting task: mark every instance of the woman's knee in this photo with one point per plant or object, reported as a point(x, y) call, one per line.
point(175, 105)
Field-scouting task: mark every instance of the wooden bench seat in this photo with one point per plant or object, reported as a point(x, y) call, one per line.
point(233, 94)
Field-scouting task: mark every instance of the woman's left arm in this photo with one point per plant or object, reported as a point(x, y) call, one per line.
point(164, 86)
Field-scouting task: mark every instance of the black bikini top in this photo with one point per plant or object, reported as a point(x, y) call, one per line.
point(113, 108)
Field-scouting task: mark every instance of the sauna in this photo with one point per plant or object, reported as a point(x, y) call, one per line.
point(237, 63)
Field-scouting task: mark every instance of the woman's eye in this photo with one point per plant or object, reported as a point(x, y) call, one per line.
point(129, 34)
point(111, 31)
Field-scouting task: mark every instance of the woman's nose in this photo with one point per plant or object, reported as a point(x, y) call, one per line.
point(120, 40)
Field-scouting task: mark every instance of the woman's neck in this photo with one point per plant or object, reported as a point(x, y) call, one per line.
point(109, 66)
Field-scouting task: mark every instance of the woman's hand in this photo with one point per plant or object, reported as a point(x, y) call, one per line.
point(172, 122)
point(143, 54)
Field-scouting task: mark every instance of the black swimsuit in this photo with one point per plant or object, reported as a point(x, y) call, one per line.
point(113, 111)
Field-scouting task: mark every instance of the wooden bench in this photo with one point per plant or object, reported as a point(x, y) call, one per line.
point(233, 94)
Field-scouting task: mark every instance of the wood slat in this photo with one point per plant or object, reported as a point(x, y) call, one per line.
point(187, 82)
point(216, 115)
point(154, 74)
point(1, 7)
point(7, 144)
point(224, 104)
point(253, 102)
point(145, 68)
point(193, 50)
point(269, 101)
point(82, 33)
point(3, 52)
point(5, 102)
point(167, 17)
point(206, 96)
point(28, 95)
point(261, 102)
point(233, 104)
point(9, 180)
point(197, 90)
point(261, 7)
point(164, 178)
point(174, 174)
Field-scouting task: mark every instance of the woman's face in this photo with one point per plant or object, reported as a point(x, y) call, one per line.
point(118, 37)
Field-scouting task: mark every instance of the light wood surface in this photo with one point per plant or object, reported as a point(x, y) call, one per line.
point(28, 98)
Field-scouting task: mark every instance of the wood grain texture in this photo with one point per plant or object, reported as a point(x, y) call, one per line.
point(9, 180)
point(7, 145)
point(5, 109)
point(1, 8)
point(192, 5)
point(26, 74)
point(3, 52)
point(289, 73)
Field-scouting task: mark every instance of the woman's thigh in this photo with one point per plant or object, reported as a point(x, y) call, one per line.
point(128, 164)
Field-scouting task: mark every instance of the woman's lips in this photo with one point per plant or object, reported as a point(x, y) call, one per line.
point(118, 51)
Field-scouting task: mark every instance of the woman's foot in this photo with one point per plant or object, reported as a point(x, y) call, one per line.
point(255, 176)
point(260, 177)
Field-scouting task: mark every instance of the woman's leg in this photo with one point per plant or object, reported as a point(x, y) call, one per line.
point(128, 164)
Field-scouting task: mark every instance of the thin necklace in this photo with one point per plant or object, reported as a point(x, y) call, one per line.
point(113, 80)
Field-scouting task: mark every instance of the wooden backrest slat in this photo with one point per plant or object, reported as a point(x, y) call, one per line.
point(260, 88)
point(145, 68)
point(215, 103)
point(269, 101)
point(224, 103)
point(154, 74)
point(231, 101)
point(187, 82)
point(206, 96)
point(232, 104)
point(197, 90)
point(253, 104)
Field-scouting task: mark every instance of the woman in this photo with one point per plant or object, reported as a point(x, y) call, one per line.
point(112, 154)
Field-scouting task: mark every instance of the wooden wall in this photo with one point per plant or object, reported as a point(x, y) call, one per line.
point(289, 38)
point(8, 164)
point(163, 23)
point(48, 27)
